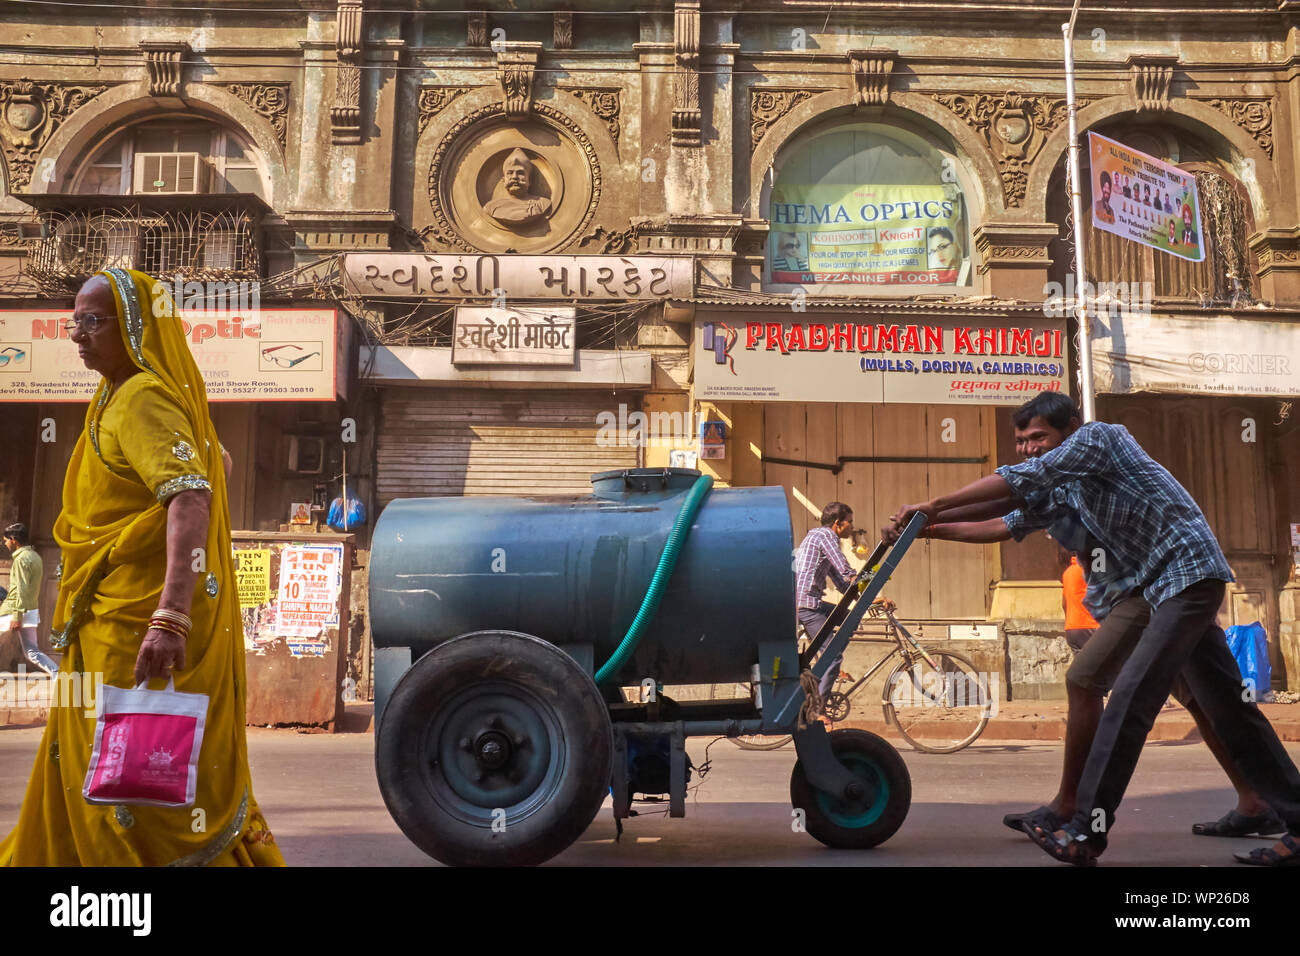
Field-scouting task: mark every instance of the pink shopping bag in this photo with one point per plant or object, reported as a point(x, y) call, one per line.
point(146, 747)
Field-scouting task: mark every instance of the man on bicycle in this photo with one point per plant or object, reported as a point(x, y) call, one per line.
point(819, 556)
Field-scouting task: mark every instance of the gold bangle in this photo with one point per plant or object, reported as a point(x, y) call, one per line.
point(170, 629)
point(176, 617)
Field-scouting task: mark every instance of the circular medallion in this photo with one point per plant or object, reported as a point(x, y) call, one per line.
point(527, 187)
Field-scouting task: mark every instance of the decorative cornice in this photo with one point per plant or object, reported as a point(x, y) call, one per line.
point(766, 106)
point(433, 100)
point(1015, 126)
point(1150, 75)
point(163, 59)
point(516, 68)
point(29, 114)
point(687, 122)
point(1254, 115)
point(1014, 244)
point(871, 70)
point(1278, 250)
point(606, 104)
point(268, 100)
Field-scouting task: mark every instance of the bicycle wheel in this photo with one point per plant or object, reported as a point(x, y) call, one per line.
point(760, 743)
point(937, 711)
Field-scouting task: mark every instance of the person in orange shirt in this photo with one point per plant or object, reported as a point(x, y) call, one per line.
point(1079, 624)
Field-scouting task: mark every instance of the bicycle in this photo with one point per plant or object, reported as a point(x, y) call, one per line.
point(941, 693)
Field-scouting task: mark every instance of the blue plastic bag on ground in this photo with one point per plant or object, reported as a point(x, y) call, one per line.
point(1249, 645)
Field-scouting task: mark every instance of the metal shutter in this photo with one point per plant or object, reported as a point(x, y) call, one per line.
point(493, 442)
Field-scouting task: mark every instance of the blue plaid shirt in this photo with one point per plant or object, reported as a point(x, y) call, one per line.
point(819, 555)
point(1138, 513)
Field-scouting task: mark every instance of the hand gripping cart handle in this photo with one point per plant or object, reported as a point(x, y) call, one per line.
point(864, 589)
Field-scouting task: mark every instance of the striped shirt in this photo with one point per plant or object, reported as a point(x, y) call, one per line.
point(819, 556)
point(1141, 517)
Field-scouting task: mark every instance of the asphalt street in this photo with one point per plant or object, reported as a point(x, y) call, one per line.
point(319, 794)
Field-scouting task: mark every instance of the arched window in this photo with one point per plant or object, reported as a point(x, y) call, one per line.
point(867, 207)
point(172, 155)
point(1225, 276)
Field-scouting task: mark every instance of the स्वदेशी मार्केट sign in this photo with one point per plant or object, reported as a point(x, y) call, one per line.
point(489, 336)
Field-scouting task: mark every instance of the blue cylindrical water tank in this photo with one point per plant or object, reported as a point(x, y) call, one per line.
point(575, 570)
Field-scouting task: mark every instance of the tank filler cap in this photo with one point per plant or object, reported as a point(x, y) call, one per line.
point(624, 482)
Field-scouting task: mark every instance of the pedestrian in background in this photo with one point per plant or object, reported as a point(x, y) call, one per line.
point(21, 605)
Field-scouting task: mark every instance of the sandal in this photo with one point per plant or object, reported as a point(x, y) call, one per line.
point(1234, 824)
point(1267, 856)
point(1073, 849)
point(1043, 817)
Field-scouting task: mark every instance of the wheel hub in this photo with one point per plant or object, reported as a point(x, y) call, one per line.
point(493, 750)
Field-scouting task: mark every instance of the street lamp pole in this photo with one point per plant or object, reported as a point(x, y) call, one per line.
point(1076, 206)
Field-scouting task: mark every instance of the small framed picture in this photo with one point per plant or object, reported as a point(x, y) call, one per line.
point(300, 513)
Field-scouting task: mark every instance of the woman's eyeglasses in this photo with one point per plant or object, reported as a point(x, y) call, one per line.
point(18, 355)
point(87, 323)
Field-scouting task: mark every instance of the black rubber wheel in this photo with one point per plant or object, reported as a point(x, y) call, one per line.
point(495, 750)
point(836, 707)
point(863, 824)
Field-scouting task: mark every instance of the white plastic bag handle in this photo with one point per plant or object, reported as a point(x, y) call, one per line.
point(170, 688)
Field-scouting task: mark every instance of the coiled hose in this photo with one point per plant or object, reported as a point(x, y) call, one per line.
point(667, 562)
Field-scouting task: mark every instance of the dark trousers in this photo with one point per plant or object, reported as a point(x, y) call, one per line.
point(812, 620)
point(1183, 636)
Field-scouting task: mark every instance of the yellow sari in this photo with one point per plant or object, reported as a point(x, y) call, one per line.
point(148, 440)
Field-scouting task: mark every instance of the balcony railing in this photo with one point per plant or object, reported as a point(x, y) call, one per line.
point(199, 237)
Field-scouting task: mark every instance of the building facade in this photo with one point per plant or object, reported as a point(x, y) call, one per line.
point(558, 242)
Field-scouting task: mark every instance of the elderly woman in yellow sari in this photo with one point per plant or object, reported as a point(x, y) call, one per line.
point(147, 590)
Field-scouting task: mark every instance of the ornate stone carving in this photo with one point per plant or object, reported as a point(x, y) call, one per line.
point(1013, 245)
point(1255, 116)
point(29, 115)
point(767, 106)
point(516, 67)
point(611, 243)
point(1276, 249)
point(476, 28)
point(562, 32)
point(871, 70)
point(1014, 126)
point(163, 60)
point(577, 206)
point(1151, 75)
point(345, 114)
point(433, 100)
point(686, 118)
point(607, 105)
point(269, 100)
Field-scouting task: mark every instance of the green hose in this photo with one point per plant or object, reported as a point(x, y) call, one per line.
point(667, 561)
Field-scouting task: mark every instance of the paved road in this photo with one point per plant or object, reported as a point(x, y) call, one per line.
point(319, 794)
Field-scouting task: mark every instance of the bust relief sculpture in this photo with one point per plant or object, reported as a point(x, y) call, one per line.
point(519, 206)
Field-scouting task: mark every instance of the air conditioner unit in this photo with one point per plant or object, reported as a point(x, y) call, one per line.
point(306, 455)
point(170, 173)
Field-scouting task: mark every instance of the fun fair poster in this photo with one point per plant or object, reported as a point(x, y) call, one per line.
point(1140, 198)
point(867, 235)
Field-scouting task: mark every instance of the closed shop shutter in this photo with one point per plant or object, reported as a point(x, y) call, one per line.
point(496, 442)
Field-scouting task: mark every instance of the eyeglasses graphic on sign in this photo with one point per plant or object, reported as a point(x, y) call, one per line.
point(18, 355)
point(286, 361)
